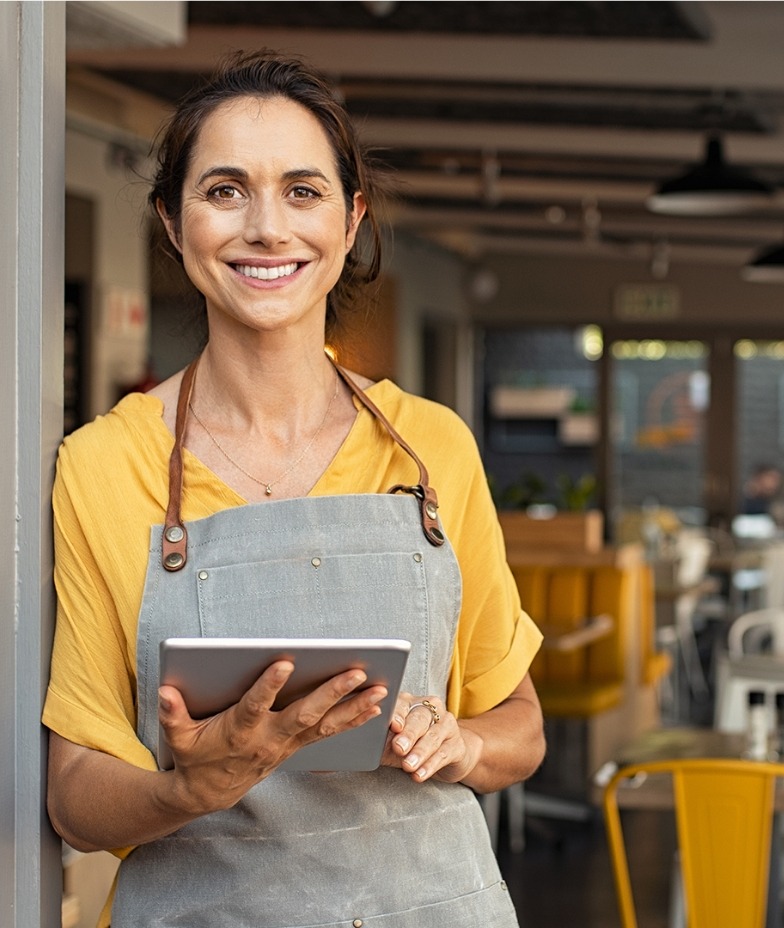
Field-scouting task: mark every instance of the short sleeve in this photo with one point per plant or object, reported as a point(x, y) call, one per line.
point(496, 641)
point(91, 698)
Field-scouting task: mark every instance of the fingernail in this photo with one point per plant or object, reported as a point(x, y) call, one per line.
point(403, 743)
point(398, 720)
point(163, 702)
point(412, 760)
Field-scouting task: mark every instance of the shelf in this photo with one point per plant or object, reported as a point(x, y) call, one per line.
point(578, 429)
point(530, 402)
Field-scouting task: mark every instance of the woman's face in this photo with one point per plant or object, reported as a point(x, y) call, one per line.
point(264, 230)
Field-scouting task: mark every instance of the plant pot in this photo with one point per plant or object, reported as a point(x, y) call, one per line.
point(567, 531)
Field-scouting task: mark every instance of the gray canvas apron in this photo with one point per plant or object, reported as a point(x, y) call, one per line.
point(302, 849)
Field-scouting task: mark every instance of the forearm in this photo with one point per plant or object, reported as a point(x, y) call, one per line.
point(507, 743)
point(98, 802)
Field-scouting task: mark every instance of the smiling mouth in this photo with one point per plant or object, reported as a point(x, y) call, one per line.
point(266, 273)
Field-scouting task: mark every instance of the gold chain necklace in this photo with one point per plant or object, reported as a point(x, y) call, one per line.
point(268, 485)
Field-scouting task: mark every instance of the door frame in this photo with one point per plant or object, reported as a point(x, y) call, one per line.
point(32, 108)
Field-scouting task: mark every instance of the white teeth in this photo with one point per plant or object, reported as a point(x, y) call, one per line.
point(267, 273)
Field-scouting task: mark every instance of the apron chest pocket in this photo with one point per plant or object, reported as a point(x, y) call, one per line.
point(381, 595)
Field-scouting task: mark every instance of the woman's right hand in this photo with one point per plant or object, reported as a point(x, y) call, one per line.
point(218, 759)
point(97, 801)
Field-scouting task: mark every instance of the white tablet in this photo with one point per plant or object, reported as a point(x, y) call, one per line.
point(213, 674)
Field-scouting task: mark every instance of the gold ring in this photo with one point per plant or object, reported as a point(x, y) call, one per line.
point(426, 704)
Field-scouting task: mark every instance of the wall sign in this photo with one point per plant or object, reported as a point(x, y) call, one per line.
point(646, 302)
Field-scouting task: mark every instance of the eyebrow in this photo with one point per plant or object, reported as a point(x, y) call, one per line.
point(227, 170)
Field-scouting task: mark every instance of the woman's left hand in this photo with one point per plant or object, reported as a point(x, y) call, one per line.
point(425, 740)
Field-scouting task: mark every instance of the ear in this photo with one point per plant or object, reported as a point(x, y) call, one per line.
point(168, 224)
point(355, 217)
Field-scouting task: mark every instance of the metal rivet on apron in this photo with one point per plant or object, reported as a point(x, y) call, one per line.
point(316, 561)
point(174, 561)
point(437, 533)
point(357, 923)
point(174, 534)
point(418, 558)
point(503, 884)
point(203, 575)
point(431, 509)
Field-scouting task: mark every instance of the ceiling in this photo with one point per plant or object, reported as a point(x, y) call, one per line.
point(522, 127)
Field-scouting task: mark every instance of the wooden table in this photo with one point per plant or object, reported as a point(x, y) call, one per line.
point(662, 744)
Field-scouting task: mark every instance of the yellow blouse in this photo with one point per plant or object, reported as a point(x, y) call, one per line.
point(111, 486)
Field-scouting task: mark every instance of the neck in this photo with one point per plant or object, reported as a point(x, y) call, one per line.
point(256, 387)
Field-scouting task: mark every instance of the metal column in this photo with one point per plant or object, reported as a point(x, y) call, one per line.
point(32, 75)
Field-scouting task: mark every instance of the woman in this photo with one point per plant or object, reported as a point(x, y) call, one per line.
point(260, 456)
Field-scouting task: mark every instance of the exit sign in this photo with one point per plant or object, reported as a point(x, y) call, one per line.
point(644, 302)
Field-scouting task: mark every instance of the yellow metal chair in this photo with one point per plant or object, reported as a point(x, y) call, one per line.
point(724, 814)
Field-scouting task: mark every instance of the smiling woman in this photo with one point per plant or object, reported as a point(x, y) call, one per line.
point(263, 237)
point(258, 77)
point(265, 491)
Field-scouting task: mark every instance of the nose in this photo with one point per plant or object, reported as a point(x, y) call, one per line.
point(266, 221)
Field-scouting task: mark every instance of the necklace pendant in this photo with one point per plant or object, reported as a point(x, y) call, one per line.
point(268, 489)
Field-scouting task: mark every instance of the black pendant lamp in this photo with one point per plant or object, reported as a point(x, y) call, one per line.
point(712, 188)
point(767, 266)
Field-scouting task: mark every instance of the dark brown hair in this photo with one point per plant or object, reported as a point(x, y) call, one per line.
point(269, 74)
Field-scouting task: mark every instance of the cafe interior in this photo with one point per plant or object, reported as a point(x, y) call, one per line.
point(587, 263)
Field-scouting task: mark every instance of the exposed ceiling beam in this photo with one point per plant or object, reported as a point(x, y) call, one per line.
point(744, 52)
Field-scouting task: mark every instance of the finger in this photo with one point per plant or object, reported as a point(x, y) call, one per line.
point(442, 746)
point(331, 707)
point(258, 700)
point(348, 714)
point(404, 700)
point(174, 718)
point(172, 711)
point(421, 715)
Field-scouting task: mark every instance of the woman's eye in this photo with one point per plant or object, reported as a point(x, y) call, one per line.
point(304, 193)
point(224, 192)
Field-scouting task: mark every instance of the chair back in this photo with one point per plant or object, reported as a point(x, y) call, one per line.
point(693, 550)
point(773, 569)
point(769, 621)
point(590, 678)
point(724, 814)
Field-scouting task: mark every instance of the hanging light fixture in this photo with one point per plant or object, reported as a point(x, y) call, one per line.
point(767, 266)
point(711, 188)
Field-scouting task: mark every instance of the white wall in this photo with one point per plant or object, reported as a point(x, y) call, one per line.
point(430, 284)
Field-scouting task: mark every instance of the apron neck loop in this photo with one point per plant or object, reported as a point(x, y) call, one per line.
point(175, 535)
point(428, 501)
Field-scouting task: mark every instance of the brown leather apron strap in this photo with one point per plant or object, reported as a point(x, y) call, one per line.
point(428, 501)
point(175, 535)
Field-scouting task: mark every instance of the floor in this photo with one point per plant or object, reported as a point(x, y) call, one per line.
point(562, 877)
